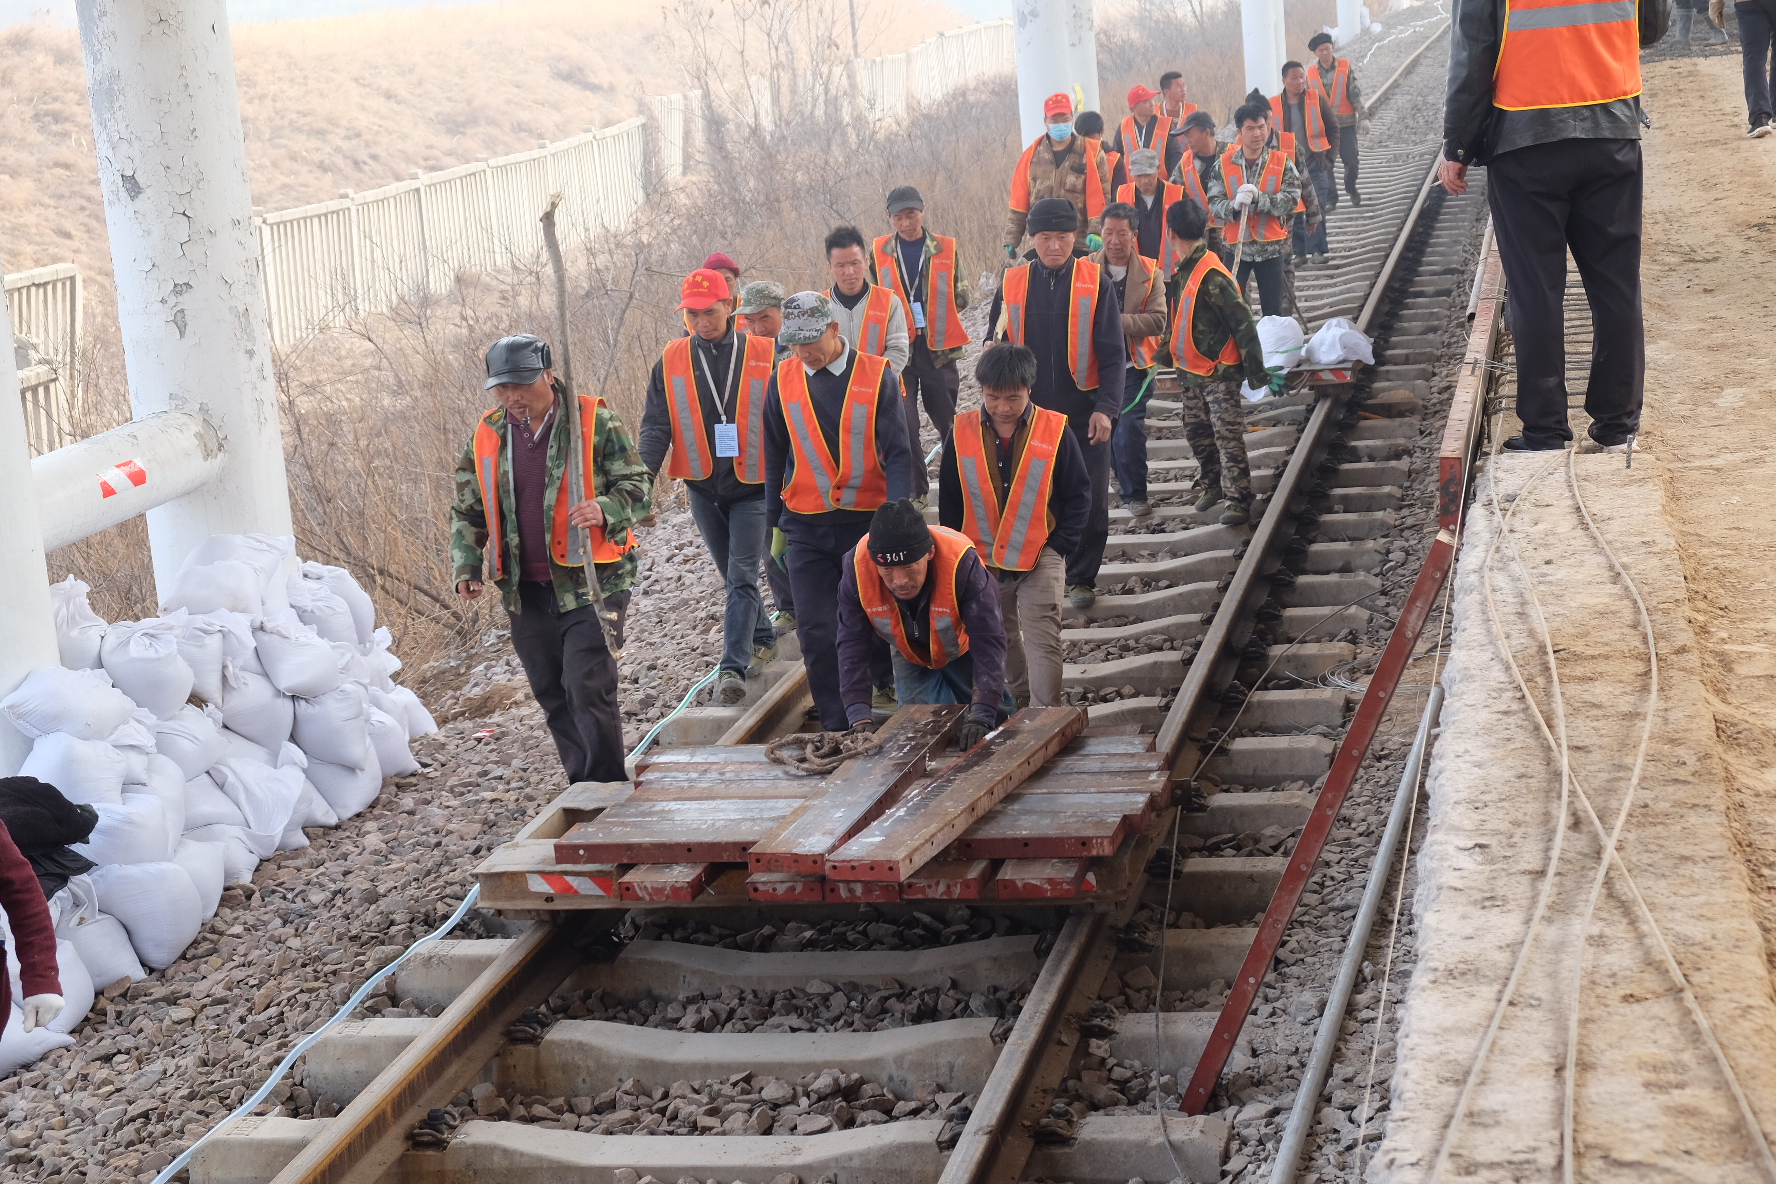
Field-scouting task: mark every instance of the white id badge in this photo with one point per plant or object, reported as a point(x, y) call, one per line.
point(727, 439)
point(918, 315)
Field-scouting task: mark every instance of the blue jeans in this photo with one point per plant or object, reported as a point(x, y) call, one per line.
point(1128, 443)
point(954, 683)
point(735, 535)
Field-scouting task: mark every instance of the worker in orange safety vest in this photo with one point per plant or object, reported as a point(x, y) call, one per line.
point(1332, 77)
point(1059, 164)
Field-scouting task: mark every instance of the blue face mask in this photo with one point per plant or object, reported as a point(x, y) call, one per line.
point(1060, 131)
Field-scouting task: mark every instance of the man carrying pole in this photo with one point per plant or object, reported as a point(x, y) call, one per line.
point(1255, 189)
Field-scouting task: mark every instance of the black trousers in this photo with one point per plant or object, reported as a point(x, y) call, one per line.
point(816, 554)
point(1273, 283)
point(574, 679)
point(1088, 555)
point(1347, 156)
point(936, 386)
point(1582, 195)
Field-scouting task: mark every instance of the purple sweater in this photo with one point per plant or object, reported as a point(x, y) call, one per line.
point(977, 596)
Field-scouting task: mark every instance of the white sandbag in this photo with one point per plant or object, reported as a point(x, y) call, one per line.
point(297, 659)
point(207, 865)
point(229, 584)
point(237, 640)
point(1336, 342)
point(320, 609)
point(78, 988)
point(190, 738)
point(312, 809)
point(203, 645)
point(344, 586)
point(255, 708)
point(166, 783)
point(347, 790)
point(142, 658)
point(332, 727)
point(388, 736)
point(79, 630)
point(271, 556)
point(132, 831)
point(19, 1048)
point(134, 742)
point(1282, 339)
point(157, 903)
point(419, 720)
point(74, 905)
point(266, 796)
point(206, 805)
point(104, 948)
point(236, 747)
point(83, 770)
point(238, 859)
point(254, 845)
point(292, 839)
point(82, 703)
point(382, 658)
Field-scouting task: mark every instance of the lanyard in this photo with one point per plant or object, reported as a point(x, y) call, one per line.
point(912, 277)
point(722, 393)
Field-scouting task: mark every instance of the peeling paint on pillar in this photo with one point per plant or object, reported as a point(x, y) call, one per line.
point(191, 300)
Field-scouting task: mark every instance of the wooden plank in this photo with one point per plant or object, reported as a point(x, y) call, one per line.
point(710, 789)
point(857, 792)
point(580, 802)
point(1043, 879)
point(947, 879)
point(861, 891)
point(665, 881)
point(1055, 826)
point(929, 818)
point(674, 832)
point(783, 887)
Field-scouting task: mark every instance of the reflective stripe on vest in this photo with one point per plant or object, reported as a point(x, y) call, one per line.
point(857, 481)
point(1168, 193)
point(1011, 536)
point(878, 306)
point(1131, 136)
point(1094, 189)
point(943, 326)
point(1082, 308)
point(1310, 114)
point(1144, 351)
point(1184, 351)
point(1260, 228)
point(1193, 185)
point(1286, 142)
point(1340, 96)
point(693, 451)
point(949, 638)
point(1564, 54)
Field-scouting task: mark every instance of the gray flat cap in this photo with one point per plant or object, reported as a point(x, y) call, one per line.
point(805, 318)
point(1142, 162)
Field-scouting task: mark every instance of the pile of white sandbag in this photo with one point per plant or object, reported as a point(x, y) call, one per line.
point(258, 703)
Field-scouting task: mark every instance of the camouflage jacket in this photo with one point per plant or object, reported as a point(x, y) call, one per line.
point(1221, 313)
point(622, 487)
point(1280, 204)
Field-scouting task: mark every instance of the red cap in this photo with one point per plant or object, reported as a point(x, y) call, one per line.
point(703, 288)
point(721, 262)
point(1059, 103)
point(1140, 94)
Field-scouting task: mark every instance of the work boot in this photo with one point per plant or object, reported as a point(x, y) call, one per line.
point(730, 688)
point(1139, 510)
point(1209, 497)
point(884, 699)
point(1761, 128)
point(1712, 34)
point(763, 655)
point(783, 623)
point(1684, 19)
point(1235, 514)
point(1356, 199)
point(1081, 596)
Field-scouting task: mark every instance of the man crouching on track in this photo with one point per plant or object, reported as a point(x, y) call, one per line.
point(511, 498)
point(928, 594)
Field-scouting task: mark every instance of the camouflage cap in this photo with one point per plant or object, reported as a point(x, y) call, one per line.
point(805, 318)
point(1143, 161)
point(761, 294)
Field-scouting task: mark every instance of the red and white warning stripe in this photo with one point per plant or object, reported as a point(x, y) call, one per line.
point(548, 882)
point(124, 472)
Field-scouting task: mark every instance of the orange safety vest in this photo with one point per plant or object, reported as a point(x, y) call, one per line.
point(1193, 185)
point(1316, 123)
point(1168, 193)
point(1009, 531)
point(949, 638)
point(1082, 309)
point(1143, 351)
point(878, 306)
point(693, 448)
point(1562, 53)
point(857, 481)
point(1286, 142)
point(1131, 136)
point(1340, 96)
point(1111, 160)
point(1184, 351)
point(488, 442)
point(943, 325)
point(1260, 228)
point(1094, 190)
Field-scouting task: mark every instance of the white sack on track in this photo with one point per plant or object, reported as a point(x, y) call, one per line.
point(332, 727)
point(104, 947)
point(166, 783)
point(19, 1048)
point(312, 809)
point(229, 584)
point(270, 556)
point(419, 720)
point(82, 703)
point(340, 582)
point(207, 865)
point(79, 630)
point(266, 796)
point(132, 831)
point(320, 609)
point(157, 903)
point(1338, 341)
point(348, 791)
point(203, 645)
point(206, 805)
point(238, 860)
point(89, 771)
point(388, 736)
point(191, 739)
point(244, 844)
point(297, 659)
point(254, 708)
point(142, 658)
point(1282, 339)
point(75, 905)
point(135, 743)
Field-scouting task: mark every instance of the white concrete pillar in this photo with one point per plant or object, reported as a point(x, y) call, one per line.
point(1261, 29)
point(1350, 19)
point(1057, 49)
point(191, 299)
point(27, 627)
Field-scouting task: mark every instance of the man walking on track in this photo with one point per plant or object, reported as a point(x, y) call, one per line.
point(706, 401)
point(1332, 78)
point(1063, 309)
point(1148, 198)
point(1058, 165)
point(1549, 101)
point(835, 450)
point(1144, 127)
point(1214, 344)
point(512, 498)
point(1203, 156)
point(1307, 118)
point(1140, 286)
point(1253, 190)
point(925, 273)
point(1013, 480)
point(926, 593)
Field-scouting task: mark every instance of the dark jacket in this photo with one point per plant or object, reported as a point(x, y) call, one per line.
point(827, 392)
point(1045, 332)
point(1475, 131)
point(656, 418)
point(1170, 152)
point(1069, 493)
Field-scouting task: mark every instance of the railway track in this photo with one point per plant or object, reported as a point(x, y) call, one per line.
point(978, 1041)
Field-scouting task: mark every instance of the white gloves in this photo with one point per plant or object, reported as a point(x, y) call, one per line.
point(40, 1010)
point(1245, 195)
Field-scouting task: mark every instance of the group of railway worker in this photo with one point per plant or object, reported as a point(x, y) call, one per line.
point(793, 421)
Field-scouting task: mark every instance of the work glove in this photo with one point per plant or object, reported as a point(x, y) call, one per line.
point(863, 727)
point(1010, 253)
point(1245, 195)
point(972, 732)
point(1279, 380)
point(1093, 242)
point(40, 1010)
point(779, 544)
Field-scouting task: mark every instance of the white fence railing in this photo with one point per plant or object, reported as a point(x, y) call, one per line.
point(932, 69)
point(43, 305)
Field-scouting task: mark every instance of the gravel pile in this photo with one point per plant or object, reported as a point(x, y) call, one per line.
point(868, 930)
point(1105, 1085)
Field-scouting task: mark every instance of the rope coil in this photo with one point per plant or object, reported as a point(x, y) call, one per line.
point(821, 752)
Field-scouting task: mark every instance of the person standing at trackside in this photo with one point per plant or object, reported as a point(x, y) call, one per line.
point(1214, 344)
point(1202, 156)
point(1062, 308)
point(1149, 198)
point(924, 271)
point(1757, 19)
point(1139, 284)
point(1060, 165)
point(835, 450)
point(706, 402)
point(761, 314)
point(868, 315)
point(1014, 481)
point(512, 499)
point(1260, 183)
point(1548, 99)
point(1332, 78)
point(1144, 127)
point(1307, 117)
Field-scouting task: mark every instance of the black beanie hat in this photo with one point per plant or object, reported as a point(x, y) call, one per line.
point(898, 534)
point(1053, 213)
